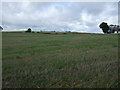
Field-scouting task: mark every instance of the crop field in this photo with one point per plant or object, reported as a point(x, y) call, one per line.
point(36, 60)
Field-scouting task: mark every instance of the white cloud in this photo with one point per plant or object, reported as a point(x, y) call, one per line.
point(82, 17)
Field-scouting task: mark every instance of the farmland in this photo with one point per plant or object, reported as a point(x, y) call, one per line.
point(36, 60)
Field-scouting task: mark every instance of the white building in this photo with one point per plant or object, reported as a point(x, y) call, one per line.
point(114, 28)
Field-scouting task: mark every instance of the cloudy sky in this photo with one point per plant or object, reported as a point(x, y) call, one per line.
point(58, 16)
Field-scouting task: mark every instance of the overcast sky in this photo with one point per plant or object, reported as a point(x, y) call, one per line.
point(58, 16)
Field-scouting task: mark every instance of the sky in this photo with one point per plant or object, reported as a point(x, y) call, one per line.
point(58, 16)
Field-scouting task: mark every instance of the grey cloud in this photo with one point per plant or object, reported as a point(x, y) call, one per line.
point(58, 16)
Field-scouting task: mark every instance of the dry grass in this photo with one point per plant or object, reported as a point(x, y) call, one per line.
point(57, 61)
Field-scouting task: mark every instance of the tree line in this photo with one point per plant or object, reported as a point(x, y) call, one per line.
point(104, 26)
point(109, 28)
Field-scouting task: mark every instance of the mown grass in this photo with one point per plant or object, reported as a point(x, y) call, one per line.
point(34, 60)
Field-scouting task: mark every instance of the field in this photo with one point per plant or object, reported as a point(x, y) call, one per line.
point(35, 60)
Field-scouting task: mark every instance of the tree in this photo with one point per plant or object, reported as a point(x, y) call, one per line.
point(29, 30)
point(1, 28)
point(104, 27)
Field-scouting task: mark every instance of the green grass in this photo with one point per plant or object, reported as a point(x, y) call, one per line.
point(35, 60)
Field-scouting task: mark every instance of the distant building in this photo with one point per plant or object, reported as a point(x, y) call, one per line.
point(114, 28)
point(1, 28)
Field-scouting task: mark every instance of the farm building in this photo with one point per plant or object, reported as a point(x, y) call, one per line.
point(114, 28)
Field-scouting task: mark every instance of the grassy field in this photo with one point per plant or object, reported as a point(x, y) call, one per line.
point(34, 60)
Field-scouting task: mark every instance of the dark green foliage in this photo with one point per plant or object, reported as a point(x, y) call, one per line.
point(104, 27)
point(1, 28)
point(29, 30)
